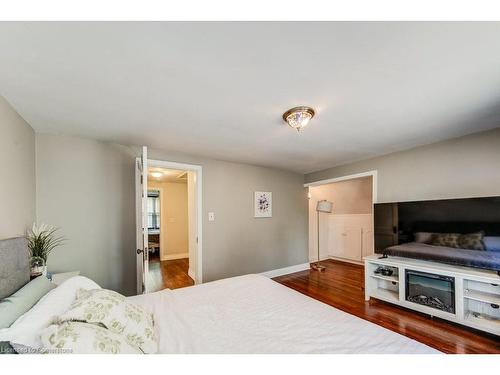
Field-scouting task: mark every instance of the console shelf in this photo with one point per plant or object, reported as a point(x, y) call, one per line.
point(476, 292)
point(394, 279)
point(484, 323)
point(387, 295)
point(482, 296)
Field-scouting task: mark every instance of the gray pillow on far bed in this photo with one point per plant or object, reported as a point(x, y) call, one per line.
point(491, 243)
point(24, 299)
point(424, 237)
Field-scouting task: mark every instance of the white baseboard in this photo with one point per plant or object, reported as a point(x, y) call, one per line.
point(175, 256)
point(315, 258)
point(346, 260)
point(286, 270)
point(325, 257)
point(191, 274)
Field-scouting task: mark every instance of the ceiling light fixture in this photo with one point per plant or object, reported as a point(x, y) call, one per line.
point(298, 117)
point(156, 174)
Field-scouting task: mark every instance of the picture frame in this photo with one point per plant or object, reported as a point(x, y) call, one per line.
point(263, 204)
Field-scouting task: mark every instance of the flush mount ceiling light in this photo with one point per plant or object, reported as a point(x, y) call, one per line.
point(156, 174)
point(298, 117)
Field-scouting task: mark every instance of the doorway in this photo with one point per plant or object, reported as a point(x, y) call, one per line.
point(169, 227)
point(345, 234)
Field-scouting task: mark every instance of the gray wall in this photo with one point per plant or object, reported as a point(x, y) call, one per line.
point(87, 188)
point(236, 243)
point(17, 173)
point(463, 167)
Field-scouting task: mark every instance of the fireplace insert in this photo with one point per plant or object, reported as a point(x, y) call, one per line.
point(436, 291)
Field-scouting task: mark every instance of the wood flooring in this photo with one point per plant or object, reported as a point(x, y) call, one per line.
point(171, 274)
point(342, 286)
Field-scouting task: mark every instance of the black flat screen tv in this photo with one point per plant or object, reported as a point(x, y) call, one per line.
point(396, 223)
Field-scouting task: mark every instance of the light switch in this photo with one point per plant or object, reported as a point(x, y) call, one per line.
point(211, 216)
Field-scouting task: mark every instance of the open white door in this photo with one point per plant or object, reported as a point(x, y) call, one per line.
point(141, 199)
point(192, 225)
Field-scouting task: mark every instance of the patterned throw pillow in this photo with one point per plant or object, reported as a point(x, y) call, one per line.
point(472, 241)
point(446, 239)
point(84, 338)
point(111, 310)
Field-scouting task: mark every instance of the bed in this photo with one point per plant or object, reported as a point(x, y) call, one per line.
point(253, 314)
point(483, 259)
point(245, 314)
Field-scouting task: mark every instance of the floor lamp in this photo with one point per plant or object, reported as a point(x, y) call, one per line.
point(322, 206)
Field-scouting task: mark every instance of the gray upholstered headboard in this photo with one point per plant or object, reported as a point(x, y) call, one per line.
point(14, 265)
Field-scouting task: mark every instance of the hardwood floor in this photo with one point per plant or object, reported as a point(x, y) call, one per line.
point(171, 274)
point(342, 286)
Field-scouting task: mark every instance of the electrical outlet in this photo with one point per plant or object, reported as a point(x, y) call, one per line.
point(211, 216)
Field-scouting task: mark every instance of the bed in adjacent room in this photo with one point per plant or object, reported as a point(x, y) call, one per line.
point(245, 314)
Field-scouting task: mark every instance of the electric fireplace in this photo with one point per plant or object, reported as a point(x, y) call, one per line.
point(436, 291)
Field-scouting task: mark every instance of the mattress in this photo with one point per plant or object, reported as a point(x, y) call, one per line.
point(470, 258)
point(253, 314)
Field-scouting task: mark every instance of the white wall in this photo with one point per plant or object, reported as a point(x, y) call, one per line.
point(87, 188)
point(348, 197)
point(463, 167)
point(17, 171)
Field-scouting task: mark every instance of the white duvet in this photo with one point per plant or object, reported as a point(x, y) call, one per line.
point(253, 314)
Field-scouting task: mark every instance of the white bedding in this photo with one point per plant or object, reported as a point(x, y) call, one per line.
point(253, 314)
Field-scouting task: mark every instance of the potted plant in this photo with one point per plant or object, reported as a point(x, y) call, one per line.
point(42, 240)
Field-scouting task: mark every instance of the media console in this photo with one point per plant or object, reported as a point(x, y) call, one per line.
point(462, 295)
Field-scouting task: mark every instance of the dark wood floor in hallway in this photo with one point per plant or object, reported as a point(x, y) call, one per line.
point(171, 274)
point(342, 286)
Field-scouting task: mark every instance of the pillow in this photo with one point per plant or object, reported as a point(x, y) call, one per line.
point(446, 239)
point(424, 237)
point(25, 332)
point(21, 301)
point(491, 243)
point(472, 241)
point(84, 338)
point(112, 311)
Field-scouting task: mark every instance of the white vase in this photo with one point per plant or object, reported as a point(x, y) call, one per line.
point(37, 266)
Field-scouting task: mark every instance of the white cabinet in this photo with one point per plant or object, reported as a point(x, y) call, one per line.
point(350, 237)
point(476, 292)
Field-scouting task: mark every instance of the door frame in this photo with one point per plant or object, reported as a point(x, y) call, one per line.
point(372, 173)
point(199, 206)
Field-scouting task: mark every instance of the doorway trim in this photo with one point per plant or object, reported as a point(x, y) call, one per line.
point(372, 173)
point(199, 206)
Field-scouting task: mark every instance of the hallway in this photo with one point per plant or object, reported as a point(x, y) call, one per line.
point(171, 274)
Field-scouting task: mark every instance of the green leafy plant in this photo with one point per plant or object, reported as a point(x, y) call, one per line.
point(42, 240)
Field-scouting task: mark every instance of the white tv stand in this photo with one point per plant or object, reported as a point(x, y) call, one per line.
point(477, 292)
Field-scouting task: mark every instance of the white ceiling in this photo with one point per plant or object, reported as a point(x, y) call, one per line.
point(167, 175)
point(219, 89)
